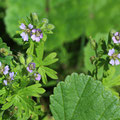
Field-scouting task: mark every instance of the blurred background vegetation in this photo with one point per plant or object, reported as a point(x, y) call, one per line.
point(74, 20)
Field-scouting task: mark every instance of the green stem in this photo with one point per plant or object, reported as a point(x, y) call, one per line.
point(30, 50)
point(96, 72)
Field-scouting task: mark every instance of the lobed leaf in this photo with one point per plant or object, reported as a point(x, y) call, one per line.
point(80, 97)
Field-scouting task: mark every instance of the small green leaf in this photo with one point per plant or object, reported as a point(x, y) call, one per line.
point(50, 59)
point(7, 105)
point(50, 27)
point(5, 53)
point(112, 77)
point(22, 60)
point(1, 114)
point(50, 72)
point(30, 50)
point(2, 91)
point(42, 73)
point(40, 50)
point(44, 37)
point(33, 90)
point(29, 59)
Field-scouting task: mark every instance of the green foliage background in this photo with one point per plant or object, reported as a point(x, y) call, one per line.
point(72, 18)
point(75, 21)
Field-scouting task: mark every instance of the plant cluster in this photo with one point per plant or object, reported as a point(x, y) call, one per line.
point(21, 78)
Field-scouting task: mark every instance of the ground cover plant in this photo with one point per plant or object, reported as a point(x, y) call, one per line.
point(79, 97)
point(59, 60)
point(20, 86)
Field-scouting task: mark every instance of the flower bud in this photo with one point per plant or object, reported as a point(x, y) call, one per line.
point(93, 43)
point(34, 17)
point(4, 52)
point(21, 58)
point(92, 59)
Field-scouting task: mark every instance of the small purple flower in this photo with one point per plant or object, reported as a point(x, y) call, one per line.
point(30, 26)
point(37, 76)
point(22, 26)
point(111, 52)
point(26, 31)
point(36, 35)
point(5, 82)
point(0, 64)
point(6, 69)
point(11, 74)
point(24, 36)
point(31, 67)
point(114, 57)
point(118, 55)
point(116, 37)
point(112, 62)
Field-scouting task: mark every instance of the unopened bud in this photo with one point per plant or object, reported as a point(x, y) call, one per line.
point(34, 17)
point(93, 43)
point(92, 59)
point(21, 58)
point(4, 52)
point(45, 20)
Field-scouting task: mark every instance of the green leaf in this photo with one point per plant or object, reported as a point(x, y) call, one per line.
point(22, 59)
point(112, 77)
point(23, 102)
point(7, 105)
point(33, 90)
point(44, 37)
point(29, 59)
point(50, 72)
point(42, 73)
point(2, 91)
point(30, 50)
point(1, 114)
point(5, 53)
point(80, 97)
point(50, 59)
point(40, 51)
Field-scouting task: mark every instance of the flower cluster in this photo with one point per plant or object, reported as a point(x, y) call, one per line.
point(116, 37)
point(31, 68)
point(35, 34)
point(114, 57)
point(9, 76)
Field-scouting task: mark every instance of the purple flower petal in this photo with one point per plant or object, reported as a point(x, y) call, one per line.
point(22, 26)
point(111, 52)
point(116, 33)
point(117, 62)
point(41, 35)
point(34, 30)
point(114, 39)
point(37, 39)
point(33, 37)
point(25, 37)
point(30, 26)
point(22, 35)
point(28, 69)
point(31, 67)
point(11, 74)
point(112, 62)
point(6, 69)
point(118, 55)
point(5, 82)
point(0, 64)
point(37, 76)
